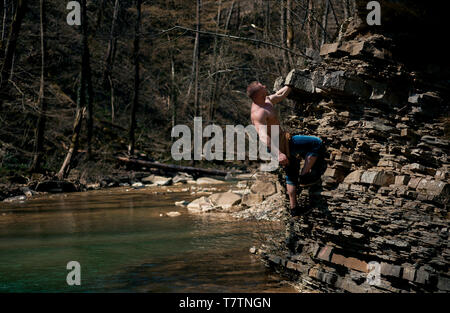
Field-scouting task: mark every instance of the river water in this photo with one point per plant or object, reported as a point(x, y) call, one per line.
point(123, 244)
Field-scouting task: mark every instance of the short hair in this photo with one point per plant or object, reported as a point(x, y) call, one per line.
point(252, 89)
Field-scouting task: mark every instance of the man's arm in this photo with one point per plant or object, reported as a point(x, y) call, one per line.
point(280, 95)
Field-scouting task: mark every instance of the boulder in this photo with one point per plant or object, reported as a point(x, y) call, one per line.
point(138, 185)
point(182, 203)
point(329, 49)
point(252, 199)
point(339, 83)
point(56, 186)
point(173, 214)
point(182, 178)
point(378, 178)
point(208, 181)
point(434, 187)
point(200, 205)
point(353, 177)
point(300, 80)
point(93, 186)
point(15, 199)
point(225, 200)
point(157, 180)
point(264, 188)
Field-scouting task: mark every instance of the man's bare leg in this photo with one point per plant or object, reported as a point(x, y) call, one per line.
point(292, 193)
point(309, 162)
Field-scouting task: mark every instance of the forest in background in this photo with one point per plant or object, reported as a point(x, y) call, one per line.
point(119, 82)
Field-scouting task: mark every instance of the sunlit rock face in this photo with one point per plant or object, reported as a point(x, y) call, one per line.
point(379, 220)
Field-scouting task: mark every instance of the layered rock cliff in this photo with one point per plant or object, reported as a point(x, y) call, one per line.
point(385, 194)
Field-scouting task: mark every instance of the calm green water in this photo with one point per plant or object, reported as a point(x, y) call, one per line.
point(124, 245)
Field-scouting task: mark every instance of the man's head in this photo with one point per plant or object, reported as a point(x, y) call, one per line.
point(257, 91)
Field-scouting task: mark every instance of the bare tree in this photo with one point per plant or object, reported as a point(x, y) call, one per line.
point(90, 99)
point(100, 12)
point(173, 90)
point(230, 13)
point(197, 60)
point(214, 66)
point(81, 97)
point(325, 22)
point(110, 57)
point(11, 45)
point(41, 104)
point(111, 50)
point(134, 106)
point(196, 52)
point(266, 19)
point(4, 9)
point(283, 34)
point(289, 31)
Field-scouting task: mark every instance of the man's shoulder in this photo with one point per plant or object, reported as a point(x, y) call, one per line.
point(258, 112)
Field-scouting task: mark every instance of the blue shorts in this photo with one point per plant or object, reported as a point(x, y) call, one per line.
point(303, 146)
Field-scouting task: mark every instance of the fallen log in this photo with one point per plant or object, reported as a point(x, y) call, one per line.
point(171, 167)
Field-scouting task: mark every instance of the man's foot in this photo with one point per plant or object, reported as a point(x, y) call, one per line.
point(309, 179)
point(299, 211)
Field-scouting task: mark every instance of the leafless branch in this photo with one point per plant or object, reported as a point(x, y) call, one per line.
point(236, 38)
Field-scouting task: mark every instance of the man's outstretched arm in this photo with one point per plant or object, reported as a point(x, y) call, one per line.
point(280, 95)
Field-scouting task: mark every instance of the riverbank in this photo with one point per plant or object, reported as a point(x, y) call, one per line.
point(242, 196)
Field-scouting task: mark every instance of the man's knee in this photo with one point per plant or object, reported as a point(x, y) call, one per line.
point(291, 191)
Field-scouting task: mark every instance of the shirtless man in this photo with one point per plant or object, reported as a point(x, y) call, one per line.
point(263, 114)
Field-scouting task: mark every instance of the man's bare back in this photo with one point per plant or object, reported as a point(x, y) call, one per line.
point(263, 113)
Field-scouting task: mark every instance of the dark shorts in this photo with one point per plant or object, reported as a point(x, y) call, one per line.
point(302, 146)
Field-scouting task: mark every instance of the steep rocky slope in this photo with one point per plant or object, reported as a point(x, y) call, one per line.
point(385, 194)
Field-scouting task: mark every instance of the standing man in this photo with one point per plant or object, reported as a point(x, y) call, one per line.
point(310, 148)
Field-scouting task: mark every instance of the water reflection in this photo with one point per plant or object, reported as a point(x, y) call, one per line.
point(123, 244)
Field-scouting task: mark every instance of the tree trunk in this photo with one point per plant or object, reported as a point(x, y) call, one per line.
point(310, 27)
point(100, 12)
point(90, 95)
point(197, 60)
point(325, 22)
point(171, 167)
point(267, 20)
point(110, 57)
point(4, 12)
point(283, 35)
point(173, 91)
point(289, 31)
point(192, 81)
point(66, 167)
point(227, 24)
point(137, 34)
point(42, 104)
point(334, 15)
point(81, 97)
point(11, 44)
point(305, 20)
point(110, 52)
point(112, 100)
point(238, 16)
point(214, 66)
